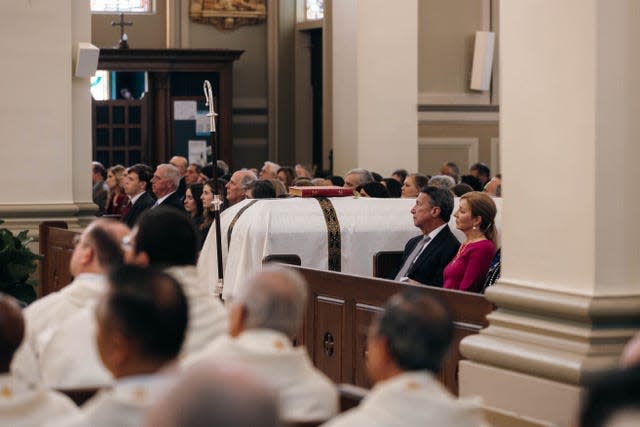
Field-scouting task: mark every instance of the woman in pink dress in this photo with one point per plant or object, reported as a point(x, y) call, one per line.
point(475, 217)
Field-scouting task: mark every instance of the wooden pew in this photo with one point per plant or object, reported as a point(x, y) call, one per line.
point(342, 306)
point(56, 244)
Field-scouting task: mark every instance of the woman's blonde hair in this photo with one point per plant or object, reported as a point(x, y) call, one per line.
point(482, 205)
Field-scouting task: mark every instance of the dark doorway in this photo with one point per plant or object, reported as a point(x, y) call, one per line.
point(316, 87)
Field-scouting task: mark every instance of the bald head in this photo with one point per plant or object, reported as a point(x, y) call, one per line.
point(98, 247)
point(180, 163)
point(11, 330)
point(273, 298)
point(207, 395)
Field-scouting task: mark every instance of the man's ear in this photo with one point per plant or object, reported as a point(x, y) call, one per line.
point(435, 212)
point(237, 317)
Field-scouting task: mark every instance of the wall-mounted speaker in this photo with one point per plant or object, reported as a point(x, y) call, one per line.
point(87, 60)
point(482, 60)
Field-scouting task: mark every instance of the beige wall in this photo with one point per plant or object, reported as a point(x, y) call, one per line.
point(39, 95)
point(446, 36)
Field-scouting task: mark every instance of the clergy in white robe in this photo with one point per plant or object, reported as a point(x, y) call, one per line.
point(264, 317)
point(123, 405)
point(406, 346)
point(23, 404)
point(141, 324)
point(26, 405)
point(98, 248)
point(61, 366)
point(59, 363)
point(411, 399)
point(166, 239)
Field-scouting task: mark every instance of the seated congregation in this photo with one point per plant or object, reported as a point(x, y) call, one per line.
point(137, 326)
point(139, 322)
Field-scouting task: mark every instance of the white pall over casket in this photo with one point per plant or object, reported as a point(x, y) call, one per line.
point(298, 226)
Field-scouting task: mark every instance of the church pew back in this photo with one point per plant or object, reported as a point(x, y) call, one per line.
point(342, 306)
point(56, 245)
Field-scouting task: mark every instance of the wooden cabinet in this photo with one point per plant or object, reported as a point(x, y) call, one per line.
point(129, 131)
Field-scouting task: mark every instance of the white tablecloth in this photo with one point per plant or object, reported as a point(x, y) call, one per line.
point(297, 226)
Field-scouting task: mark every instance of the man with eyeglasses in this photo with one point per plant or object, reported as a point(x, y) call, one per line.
point(97, 250)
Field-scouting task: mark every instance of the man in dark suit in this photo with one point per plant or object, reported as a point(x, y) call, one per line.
point(164, 185)
point(135, 184)
point(426, 256)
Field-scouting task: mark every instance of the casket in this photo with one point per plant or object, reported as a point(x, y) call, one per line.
point(340, 234)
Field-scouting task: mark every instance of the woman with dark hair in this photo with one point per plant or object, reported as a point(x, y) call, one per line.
point(286, 175)
point(117, 199)
point(373, 189)
point(393, 187)
point(207, 198)
point(412, 185)
point(261, 189)
point(193, 203)
point(475, 217)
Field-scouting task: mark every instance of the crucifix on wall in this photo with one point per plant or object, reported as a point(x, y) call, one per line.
point(123, 37)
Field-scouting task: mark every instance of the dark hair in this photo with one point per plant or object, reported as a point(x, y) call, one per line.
point(460, 189)
point(12, 329)
point(482, 169)
point(609, 393)
point(196, 192)
point(99, 168)
point(336, 180)
point(168, 237)
point(393, 187)
point(472, 182)
point(196, 166)
point(149, 308)
point(419, 179)
point(290, 175)
point(376, 176)
point(402, 173)
point(144, 172)
point(208, 171)
point(418, 329)
point(208, 212)
point(374, 190)
point(262, 189)
point(108, 250)
point(441, 198)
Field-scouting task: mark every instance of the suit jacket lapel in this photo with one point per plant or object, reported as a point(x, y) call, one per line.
point(428, 251)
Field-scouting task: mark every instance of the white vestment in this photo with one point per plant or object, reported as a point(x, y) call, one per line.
point(45, 314)
point(22, 405)
point(69, 354)
point(208, 318)
point(304, 393)
point(411, 399)
point(124, 405)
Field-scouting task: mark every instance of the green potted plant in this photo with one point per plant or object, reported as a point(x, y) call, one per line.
point(17, 263)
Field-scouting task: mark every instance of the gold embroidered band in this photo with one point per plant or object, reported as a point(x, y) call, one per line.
point(235, 218)
point(333, 234)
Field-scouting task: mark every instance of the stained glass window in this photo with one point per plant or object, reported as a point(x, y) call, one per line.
point(315, 9)
point(129, 6)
